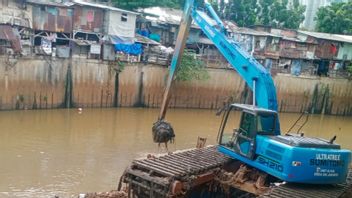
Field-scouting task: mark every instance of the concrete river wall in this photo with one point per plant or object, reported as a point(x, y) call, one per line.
point(44, 83)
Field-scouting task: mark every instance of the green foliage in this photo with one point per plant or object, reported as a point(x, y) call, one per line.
point(135, 4)
point(349, 69)
point(275, 13)
point(191, 68)
point(335, 19)
point(264, 9)
point(21, 98)
point(243, 12)
point(121, 65)
point(284, 16)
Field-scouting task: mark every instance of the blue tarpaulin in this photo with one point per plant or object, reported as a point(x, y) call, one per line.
point(126, 45)
point(144, 32)
point(155, 37)
point(133, 49)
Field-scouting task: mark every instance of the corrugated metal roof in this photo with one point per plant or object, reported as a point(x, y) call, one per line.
point(82, 3)
point(206, 41)
point(249, 31)
point(345, 37)
point(165, 16)
point(83, 42)
point(142, 39)
point(44, 2)
point(292, 39)
point(326, 36)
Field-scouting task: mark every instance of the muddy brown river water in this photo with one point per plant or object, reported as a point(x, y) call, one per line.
point(61, 152)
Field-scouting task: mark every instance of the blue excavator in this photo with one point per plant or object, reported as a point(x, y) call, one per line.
point(249, 157)
point(258, 141)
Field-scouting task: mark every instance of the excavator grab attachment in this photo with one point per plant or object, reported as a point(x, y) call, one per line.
point(163, 132)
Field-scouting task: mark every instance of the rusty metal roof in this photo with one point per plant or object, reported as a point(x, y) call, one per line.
point(10, 34)
point(6, 32)
point(54, 19)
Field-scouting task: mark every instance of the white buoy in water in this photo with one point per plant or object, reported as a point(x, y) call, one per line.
point(80, 110)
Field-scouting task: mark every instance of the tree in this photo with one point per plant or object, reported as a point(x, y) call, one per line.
point(275, 13)
point(349, 70)
point(336, 18)
point(281, 14)
point(191, 68)
point(287, 16)
point(222, 6)
point(264, 11)
point(243, 12)
point(135, 4)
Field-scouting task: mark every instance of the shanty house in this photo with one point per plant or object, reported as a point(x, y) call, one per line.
point(296, 55)
point(330, 51)
point(16, 12)
point(52, 26)
point(97, 28)
point(264, 46)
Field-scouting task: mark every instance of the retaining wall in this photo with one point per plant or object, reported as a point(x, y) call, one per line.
point(41, 83)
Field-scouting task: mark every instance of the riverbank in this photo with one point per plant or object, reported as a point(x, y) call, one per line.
point(46, 83)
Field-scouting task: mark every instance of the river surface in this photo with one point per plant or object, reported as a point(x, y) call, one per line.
point(62, 152)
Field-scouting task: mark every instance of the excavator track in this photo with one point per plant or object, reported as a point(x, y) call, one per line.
point(312, 191)
point(181, 173)
point(173, 174)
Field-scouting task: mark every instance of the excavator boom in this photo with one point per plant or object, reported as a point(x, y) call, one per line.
point(253, 73)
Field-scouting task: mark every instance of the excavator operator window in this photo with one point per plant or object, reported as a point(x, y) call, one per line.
point(230, 126)
point(248, 125)
point(266, 124)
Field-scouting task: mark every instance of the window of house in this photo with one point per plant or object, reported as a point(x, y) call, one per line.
point(124, 17)
point(257, 44)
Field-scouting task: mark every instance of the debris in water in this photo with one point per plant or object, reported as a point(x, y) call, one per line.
point(111, 194)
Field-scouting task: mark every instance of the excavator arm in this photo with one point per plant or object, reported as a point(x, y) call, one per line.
point(252, 72)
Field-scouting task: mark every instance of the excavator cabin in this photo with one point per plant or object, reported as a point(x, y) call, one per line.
point(249, 135)
point(253, 121)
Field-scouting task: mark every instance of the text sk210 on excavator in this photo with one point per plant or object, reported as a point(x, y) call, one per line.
point(257, 143)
